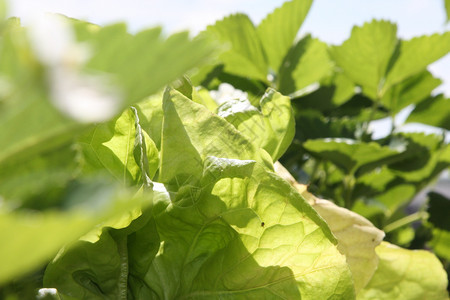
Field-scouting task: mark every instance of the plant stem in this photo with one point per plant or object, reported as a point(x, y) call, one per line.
point(420, 215)
point(349, 184)
point(122, 247)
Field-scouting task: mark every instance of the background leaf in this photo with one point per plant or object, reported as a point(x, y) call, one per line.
point(278, 30)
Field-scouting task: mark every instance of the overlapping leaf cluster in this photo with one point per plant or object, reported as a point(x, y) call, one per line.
point(337, 92)
point(181, 196)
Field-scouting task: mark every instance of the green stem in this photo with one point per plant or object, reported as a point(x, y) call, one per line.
point(349, 184)
point(420, 215)
point(122, 247)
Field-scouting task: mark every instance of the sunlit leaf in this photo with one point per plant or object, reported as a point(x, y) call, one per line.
point(365, 56)
point(406, 274)
point(246, 56)
point(416, 54)
point(278, 30)
point(434, 111)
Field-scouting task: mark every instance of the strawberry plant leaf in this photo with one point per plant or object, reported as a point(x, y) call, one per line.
point(365, 56)
point(246, 56)
point(277, 31)
point(434, 111)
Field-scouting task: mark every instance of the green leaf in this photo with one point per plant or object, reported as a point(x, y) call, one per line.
point(447, 9)
point(150, 115)
point(434, 111)
point(271, 129)
point(348, 154)
point(412, 90)
point(306, 63)
point(441, 243)
point(357, 237)
point(111, 146)
point(201, 133)
point(365, 56)
point(277, 31)
point(416, 54)
point(37, 182)
point(34, 237)
point(425, 157)
point(279, 120)
point(222, 242)
point(439, 209)
point(143, 63)
point(121, 256)
point(406, 274)
point(246, 55)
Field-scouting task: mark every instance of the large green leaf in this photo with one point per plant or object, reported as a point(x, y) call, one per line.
point(350, 154)
point(406, 274)
point(434, 111)
point(365, 56)
point(200, 133)
point(246, 56)
point(278, 30)
point(307, 62)
point(112, 147)
point(416, 54)
point(244, 233)
point(272, 128)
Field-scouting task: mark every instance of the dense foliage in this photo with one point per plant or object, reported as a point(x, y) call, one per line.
point(144, 167)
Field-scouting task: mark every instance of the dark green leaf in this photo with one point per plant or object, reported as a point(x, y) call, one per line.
point(434, 111)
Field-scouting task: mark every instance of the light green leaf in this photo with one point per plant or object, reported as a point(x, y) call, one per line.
point(143, 63)
point(111, 146)
point(440, 243)
point(350, 155)
point(357, 237)
point(412, 90)
point(416, 54)
point(277, 31)
point(214, 241)
point(406, 275)
point(434, 111)
point(279, 119)
point(246, 56)
point(150, 114)
point(306, 63)
point(365, 56)
point(271, 129)
point(266, 242)
point(200, 133)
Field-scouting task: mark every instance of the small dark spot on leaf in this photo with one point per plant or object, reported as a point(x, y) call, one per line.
point(262, 224)
point(373, 240)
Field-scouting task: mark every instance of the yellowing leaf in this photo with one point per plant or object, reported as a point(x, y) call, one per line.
point(357, 237)
point(406, 275)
